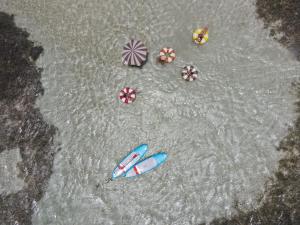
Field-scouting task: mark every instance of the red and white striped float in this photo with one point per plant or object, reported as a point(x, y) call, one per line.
point(189, 73)
point(167, 55)
point(127, 95)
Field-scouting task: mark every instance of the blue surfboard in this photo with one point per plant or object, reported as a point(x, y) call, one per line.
point(147, 164)
point(129, 160)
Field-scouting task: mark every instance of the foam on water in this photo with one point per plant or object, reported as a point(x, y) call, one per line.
point(220, 131)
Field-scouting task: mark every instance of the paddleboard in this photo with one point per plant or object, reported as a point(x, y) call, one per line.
point(128, 161)
point(147, 164)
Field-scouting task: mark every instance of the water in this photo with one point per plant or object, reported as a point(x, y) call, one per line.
point(220, 131)
point(9, 181)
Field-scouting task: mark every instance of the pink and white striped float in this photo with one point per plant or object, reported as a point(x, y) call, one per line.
point(167, 55)
point(127, 95)
point(189, 73)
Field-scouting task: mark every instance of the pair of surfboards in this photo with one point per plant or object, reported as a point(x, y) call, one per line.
point(131, 165)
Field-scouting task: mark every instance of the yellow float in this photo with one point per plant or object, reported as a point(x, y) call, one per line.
point(200, 36)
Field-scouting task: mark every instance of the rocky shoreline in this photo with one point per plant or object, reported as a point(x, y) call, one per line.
point(282, 17)
point(22, 125)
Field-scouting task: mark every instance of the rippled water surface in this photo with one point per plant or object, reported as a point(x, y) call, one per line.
point(220, 131)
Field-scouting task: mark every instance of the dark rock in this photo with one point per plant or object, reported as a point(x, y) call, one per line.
point(286, 15)
point(22, 124)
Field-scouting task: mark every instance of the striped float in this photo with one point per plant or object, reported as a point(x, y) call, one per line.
point(127, 95)
point(134, 53)
point(189, 73)
point(167, 55)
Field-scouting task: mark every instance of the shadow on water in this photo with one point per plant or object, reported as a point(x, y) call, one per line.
point(280, 204)
point(22, 125)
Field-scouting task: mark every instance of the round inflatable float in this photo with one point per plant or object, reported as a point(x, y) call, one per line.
point(167, 55)
point(127, 95)
point(200, 36)
point(189, 73)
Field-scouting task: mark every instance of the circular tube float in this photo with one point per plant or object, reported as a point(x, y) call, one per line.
point(200, 36)
point(147, 164)
point(127, 95)
point(189, 73)
point(128, 161)
point(134, 53)
point(167, 55)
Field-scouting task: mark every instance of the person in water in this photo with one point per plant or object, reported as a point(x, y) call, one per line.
point(201, 35)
